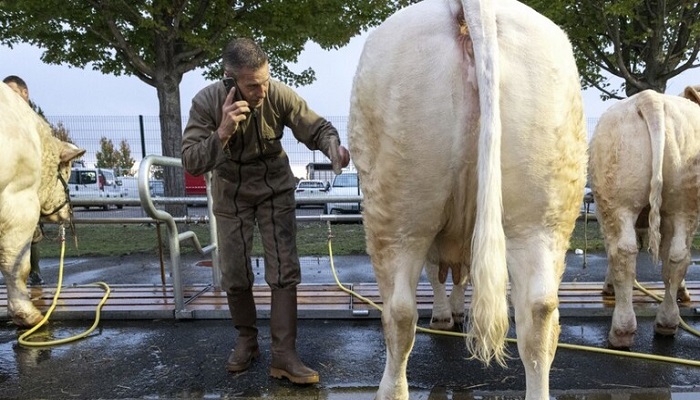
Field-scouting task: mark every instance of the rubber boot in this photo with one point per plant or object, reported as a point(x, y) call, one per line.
point(242, 308)
point(35, 278)
point(283, 330)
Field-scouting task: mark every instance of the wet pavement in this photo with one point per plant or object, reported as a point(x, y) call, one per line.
point(163, 359)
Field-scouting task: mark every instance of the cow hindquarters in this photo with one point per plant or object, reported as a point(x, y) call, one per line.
point(535, 268)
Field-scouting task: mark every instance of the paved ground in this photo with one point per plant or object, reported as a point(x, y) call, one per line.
point(159, 359)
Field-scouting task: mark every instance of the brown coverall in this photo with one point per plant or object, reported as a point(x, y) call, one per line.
point(253, 182)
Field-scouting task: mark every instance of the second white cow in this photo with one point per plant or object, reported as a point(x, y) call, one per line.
point(34, 170)
point(645, 155)
point(466, 126)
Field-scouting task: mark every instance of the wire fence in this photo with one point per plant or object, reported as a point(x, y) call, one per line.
point(143, 136)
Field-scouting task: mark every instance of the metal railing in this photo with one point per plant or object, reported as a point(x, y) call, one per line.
point(174, 237)
point(149, 203)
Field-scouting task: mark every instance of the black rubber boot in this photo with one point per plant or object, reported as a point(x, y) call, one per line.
point(242, 308)
point(35, 278)
point(283, 330)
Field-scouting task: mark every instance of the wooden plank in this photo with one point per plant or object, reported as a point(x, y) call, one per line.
point(324, 300)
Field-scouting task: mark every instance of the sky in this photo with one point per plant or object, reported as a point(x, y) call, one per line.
point(62, 91)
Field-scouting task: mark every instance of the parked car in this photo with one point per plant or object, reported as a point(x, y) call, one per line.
point(344, 185)
point(86, 183)
point(195, 185)
point(310, 188)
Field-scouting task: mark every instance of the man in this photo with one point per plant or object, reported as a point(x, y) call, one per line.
point(237, 135)
point(20, 87)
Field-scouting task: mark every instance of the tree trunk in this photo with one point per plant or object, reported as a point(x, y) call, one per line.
point(171, 140)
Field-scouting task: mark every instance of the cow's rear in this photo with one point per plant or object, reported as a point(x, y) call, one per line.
point(419, 93)
point(34, 169)
point(644, 169)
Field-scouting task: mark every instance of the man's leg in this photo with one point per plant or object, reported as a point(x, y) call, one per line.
point(235, 242)
point(35, 278)
point(277, 225)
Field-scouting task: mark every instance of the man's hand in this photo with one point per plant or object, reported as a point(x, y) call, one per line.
point(340, 158)
point(233, 112)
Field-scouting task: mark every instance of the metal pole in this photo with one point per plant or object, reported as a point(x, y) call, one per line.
point(143, 137)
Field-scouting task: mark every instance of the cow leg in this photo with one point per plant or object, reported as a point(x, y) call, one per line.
point(442, 314)
point(535, 271)
point(457, 303)
point(683, 295)
point(398, 273)
point(675, 253)
point(622, 261)
point(15, 269)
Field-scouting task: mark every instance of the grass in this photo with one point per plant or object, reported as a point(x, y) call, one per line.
point(349, 239)
point(96, 240)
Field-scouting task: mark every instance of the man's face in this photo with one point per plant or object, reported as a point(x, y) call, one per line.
point(253, 84)
point(24, 93)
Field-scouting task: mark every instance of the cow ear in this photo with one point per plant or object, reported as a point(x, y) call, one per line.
point(70, 152)
point(691, 93)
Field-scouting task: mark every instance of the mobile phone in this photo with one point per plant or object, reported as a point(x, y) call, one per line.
point(230, 83)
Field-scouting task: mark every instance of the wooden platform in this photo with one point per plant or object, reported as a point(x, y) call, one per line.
point(315, 301)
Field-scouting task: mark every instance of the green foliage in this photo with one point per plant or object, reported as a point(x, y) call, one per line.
point(164, 39)
point(61, 132)
point(109, 157)
point(643, 43)
point(159, 41)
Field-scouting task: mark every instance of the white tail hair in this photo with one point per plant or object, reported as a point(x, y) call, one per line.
point(488, 317)
point(653, 114)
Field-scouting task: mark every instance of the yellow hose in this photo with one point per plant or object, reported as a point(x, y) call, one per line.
point(510, 340)
point(26, 334)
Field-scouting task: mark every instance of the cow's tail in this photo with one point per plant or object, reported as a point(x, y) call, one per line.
point(654, 117)
point(488, 317)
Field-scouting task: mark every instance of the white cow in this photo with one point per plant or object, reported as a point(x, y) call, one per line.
point(470, 137)
point(645, 155)
point(34, 169)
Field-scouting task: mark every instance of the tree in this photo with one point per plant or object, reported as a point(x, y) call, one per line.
point(160, 40)
point(107, 156)
point(124, 160)
point(645, 43)
point(61, 132)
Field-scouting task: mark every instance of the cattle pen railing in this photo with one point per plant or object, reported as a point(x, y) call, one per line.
point(183, 302)
point(174, 237)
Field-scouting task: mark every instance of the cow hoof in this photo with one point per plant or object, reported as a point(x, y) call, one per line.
point(441, 324)
point(621, 340)
point(458, 319)
point(665, 330)
point(24, 320)
point(608, 290)
point(683, 296)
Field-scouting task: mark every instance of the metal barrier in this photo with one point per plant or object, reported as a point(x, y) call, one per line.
point(174, 238)
point(148, 203)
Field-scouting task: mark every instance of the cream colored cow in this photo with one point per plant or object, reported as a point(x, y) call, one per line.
point(470, 137)
point(34, 169)
point(645, 155)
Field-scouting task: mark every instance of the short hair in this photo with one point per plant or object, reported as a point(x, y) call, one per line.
point(243, 53)
point(16, 80)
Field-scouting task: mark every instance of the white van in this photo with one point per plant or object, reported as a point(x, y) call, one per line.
point(90, 183)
